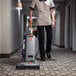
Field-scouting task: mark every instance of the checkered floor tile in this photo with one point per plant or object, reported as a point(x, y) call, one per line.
point(63, 63)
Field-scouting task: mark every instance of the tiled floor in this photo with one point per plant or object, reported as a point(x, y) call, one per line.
point(63, 65)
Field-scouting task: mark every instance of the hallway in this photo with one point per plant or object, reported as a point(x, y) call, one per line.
point(12, 23)
point(63, 63)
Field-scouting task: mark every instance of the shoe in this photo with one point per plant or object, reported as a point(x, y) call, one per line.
point(42, 59)
point(48, 55)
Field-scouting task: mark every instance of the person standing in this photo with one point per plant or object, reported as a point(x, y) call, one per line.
point(45, 19)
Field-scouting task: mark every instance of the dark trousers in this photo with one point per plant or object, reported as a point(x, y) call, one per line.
point(41, 39)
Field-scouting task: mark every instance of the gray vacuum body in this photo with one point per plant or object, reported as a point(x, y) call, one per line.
point(30, 50)
point(27, 65)
point(30, 47)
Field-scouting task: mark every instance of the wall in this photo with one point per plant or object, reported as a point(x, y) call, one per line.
point(67, 1)
point(10, 26)
point(0, 26)
point(74, 25)
point(57, 29)
point(68, 26)
point(62, 17)
point(5, 26)
point(16, 26)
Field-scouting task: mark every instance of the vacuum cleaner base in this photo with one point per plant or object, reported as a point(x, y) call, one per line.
point(27, 65)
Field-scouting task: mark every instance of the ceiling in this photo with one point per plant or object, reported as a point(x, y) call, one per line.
point(29, 1)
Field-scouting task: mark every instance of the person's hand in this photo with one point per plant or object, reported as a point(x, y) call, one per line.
point(30, 20)
point(53, 24)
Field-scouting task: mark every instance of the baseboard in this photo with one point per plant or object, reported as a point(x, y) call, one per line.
point(10, 54)
point(4, 55)
point(61, 46)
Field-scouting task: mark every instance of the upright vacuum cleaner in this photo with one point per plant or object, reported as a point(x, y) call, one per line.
point(30, 48)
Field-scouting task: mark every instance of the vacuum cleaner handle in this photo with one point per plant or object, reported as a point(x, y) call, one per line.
point(31, 23)
point(30, 28)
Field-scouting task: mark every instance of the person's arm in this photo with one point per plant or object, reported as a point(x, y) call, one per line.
point(32, 7)
point(53, 17)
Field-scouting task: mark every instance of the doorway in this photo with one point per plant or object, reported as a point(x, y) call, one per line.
point(68, 27)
